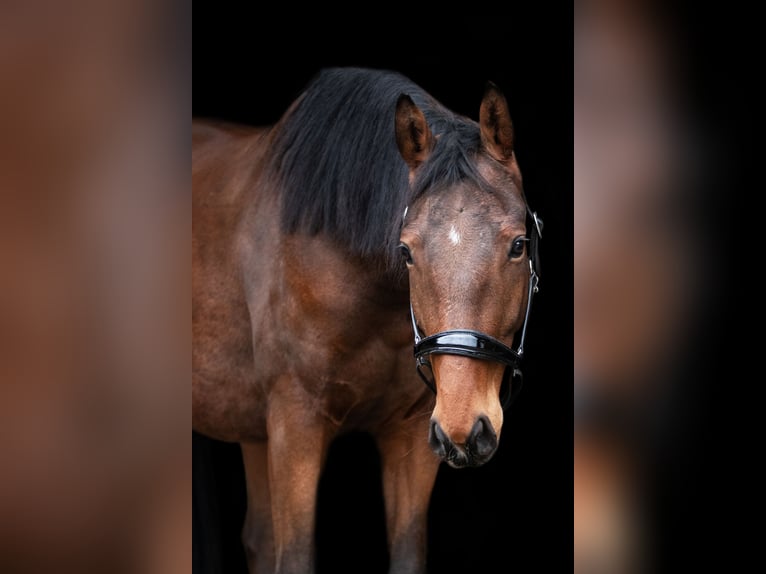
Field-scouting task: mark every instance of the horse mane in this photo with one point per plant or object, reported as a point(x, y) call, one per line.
point(338, 166)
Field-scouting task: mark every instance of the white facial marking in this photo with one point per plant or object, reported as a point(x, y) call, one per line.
point(454, 236)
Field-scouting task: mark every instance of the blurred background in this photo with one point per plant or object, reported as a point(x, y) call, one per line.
point(655, 363)
point(95, 220)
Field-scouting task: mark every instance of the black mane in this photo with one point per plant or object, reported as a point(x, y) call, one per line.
point(338, 165)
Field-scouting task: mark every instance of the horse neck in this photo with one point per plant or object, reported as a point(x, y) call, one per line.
point(319, 262)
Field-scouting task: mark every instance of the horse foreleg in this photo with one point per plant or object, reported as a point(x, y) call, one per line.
point(257, 533)
point(298, 441)
point(409, 471)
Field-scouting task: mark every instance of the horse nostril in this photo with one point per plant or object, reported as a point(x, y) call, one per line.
point(439, 442)
point(482, 440)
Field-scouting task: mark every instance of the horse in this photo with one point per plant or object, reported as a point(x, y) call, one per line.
point(367, 217)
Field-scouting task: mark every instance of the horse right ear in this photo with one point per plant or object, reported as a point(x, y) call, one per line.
point(412, 134)
point(495, 123)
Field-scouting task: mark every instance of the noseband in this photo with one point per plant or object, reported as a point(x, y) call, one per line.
point(478, 345)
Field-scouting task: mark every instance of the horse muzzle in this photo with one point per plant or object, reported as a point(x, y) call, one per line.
point(480, 445)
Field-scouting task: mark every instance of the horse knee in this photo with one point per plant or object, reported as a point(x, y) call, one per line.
point(257, 543)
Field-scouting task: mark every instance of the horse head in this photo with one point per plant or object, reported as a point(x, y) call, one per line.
point(465, 240)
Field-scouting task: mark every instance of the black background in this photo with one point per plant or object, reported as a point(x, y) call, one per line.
point(515, 513)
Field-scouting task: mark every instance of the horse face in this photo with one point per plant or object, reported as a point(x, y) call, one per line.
point(466, 252)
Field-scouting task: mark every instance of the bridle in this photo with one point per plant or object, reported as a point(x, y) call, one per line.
point(478, 345)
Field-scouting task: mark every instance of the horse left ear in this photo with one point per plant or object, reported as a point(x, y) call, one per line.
point(412, 134)
point(496, 125)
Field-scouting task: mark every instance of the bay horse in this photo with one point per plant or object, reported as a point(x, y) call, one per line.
point(369, 211)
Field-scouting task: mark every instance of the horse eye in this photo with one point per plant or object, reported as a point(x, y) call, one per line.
point(406, 255)
point(517, 248)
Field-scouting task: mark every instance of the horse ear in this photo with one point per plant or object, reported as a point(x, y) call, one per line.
point(412, 134)
point(496, 125)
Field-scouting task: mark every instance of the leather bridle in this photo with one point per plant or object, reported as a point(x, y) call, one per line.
point(479, 345)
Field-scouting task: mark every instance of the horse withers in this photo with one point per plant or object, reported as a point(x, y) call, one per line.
point(368, 211)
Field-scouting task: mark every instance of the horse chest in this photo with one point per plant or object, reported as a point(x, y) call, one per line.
point(343, 348)
point(355, 360)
